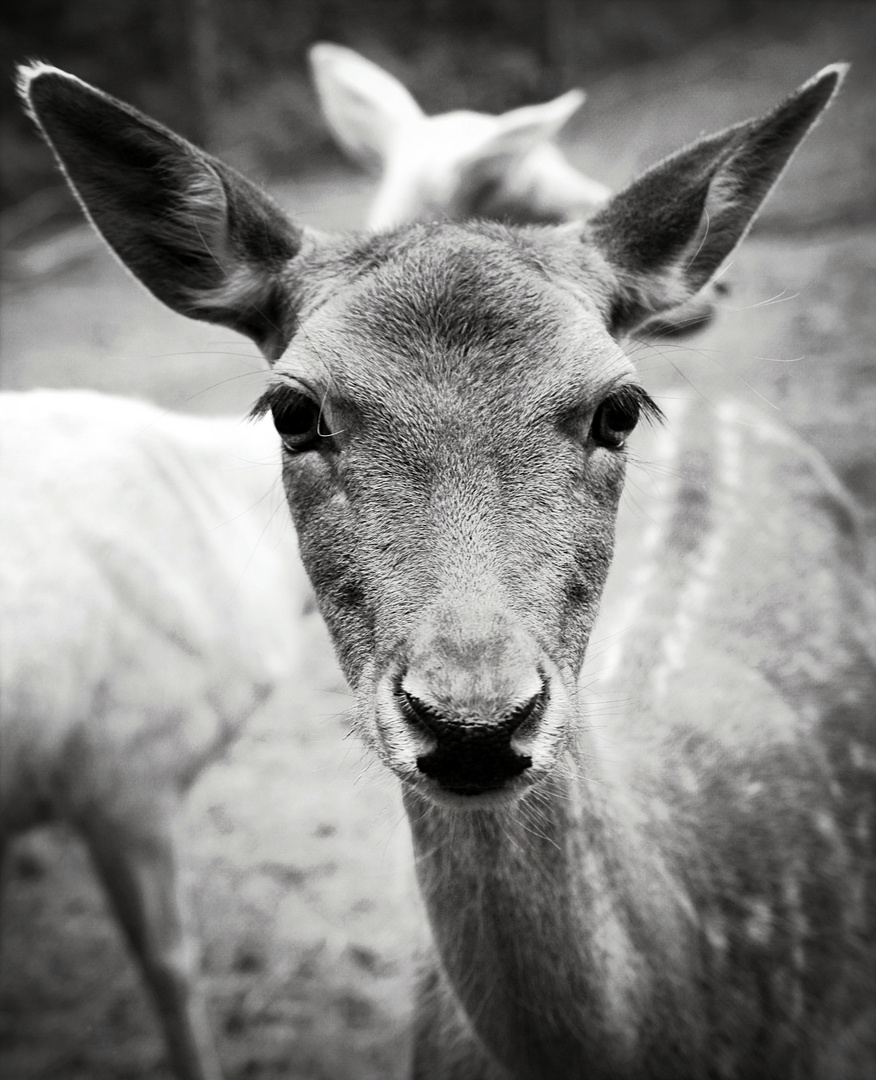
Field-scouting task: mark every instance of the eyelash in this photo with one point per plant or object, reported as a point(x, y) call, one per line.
point(618, 414)
point(296, 416)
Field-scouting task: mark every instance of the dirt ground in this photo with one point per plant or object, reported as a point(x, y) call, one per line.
point(298, 846)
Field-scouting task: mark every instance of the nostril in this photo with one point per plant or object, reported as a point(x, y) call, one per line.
point(470, 745)
point(524, 718)
point(420, 713)
point(467, 720)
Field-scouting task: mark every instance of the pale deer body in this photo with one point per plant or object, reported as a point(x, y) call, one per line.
point(652, 859)
point(140, 557)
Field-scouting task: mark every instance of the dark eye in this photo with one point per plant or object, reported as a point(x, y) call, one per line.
point(615, 418)
point(296, 418)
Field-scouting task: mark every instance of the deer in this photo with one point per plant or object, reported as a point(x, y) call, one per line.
point(637, 758)
point(459, 165)
point(464, 164)
point(151, 600)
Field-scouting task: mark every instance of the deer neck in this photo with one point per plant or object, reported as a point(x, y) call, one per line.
point(541, 914)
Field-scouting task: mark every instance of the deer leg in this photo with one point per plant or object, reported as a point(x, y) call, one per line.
point(138, 863)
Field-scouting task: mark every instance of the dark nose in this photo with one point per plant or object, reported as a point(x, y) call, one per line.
point(471, 748)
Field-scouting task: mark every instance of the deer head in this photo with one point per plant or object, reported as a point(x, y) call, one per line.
point(453, 402)
point(463, 165)
point(458, 165)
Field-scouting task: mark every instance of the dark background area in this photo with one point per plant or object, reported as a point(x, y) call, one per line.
point(231, 74)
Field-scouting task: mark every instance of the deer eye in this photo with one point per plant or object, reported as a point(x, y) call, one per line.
point(296, 418)
point(614, 420)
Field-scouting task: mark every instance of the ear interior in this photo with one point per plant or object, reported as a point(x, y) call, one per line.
point(204, 240)
point(666, 235)
point(363, 105)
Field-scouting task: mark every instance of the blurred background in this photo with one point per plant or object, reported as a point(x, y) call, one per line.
point(298, 858)
point(231, 74)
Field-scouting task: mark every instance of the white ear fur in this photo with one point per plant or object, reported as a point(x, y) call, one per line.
point(364, 106)
point(544, 121)
point(517, 133)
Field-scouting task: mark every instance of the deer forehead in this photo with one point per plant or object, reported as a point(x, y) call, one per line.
point(462, 316)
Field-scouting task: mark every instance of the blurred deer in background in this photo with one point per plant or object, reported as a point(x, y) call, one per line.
point(458, 165)
point(464, 165)
point(658, 862)
point(150, 601)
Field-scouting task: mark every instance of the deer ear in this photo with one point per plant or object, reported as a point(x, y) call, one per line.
point(363, 105)
point(666, 235)
point(521, 130)
point(203, 239)
point(515, 134)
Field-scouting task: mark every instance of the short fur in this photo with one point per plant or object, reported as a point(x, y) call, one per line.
point(464, 165)
point(682, 886)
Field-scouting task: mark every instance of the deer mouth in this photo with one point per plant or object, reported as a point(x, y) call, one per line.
point(472, 796)
point(468, 769)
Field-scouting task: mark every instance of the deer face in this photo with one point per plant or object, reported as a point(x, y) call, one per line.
point(451, 401)
point(454, 426)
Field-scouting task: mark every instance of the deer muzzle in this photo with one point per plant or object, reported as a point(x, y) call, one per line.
point(468, 701)
point(470, 753)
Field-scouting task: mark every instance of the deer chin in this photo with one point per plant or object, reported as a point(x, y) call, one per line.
point(467, 800)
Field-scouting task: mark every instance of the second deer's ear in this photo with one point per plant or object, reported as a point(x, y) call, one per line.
point(203, 239)
point(665, 236)
point(363, 105)
point(517, 133)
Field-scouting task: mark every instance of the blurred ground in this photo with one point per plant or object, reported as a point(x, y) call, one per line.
point(299, 852)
